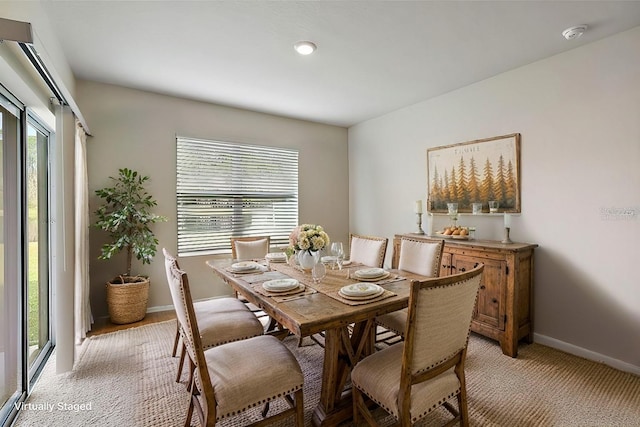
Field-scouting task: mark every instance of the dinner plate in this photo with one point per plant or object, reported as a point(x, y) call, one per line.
point(280, 285)
point(369, 273)
point(329, 259)
point(360, 289)
point(245, 266)
point(276, 257)
point(374, 279)
point(361, 298)
point(346, 262)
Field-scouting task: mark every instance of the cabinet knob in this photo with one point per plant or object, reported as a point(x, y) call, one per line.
point(494, 300)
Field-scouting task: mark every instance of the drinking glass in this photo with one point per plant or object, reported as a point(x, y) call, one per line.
point(318, 272)
point(338, 251)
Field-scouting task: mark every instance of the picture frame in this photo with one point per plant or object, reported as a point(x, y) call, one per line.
point(476, 171)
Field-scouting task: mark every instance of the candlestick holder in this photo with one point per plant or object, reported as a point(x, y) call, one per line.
point(419, 222)
point(506, 238)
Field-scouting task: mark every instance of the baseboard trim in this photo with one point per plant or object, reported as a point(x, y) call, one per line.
point(159, 308)
point(587, 354)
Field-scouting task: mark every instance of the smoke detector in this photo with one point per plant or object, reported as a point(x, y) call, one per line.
point(574, 32)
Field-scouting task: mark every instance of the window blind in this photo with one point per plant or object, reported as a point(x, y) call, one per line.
point(227, 189)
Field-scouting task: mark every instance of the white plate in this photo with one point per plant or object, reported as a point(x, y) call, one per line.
point(374, 279)
point(360, 289)
point(276, 257)
point(370, 273)
point(245, 266)
point(346, 262)
point(327, 259)
point(280, 285)
point(360, 298)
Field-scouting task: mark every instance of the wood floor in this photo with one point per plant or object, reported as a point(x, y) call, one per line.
point(104, 325)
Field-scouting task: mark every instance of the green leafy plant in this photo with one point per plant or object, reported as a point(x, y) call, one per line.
point(126, 215)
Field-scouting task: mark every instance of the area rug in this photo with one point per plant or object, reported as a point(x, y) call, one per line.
point(126, 378)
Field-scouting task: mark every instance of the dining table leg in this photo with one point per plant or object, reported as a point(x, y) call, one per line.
point(344, 347)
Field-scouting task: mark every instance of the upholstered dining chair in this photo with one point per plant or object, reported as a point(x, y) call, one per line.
point(368, 250)
point(247, 248)
point(234, 377)
point(416, 256)
point(220, 320)
point(412, 378)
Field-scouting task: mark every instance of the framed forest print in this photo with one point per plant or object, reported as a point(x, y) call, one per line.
point(475, 172)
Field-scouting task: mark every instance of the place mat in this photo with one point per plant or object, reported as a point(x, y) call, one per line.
point(257, 287)
point(335, 295)
point(280, 298)
point(260, 269)
point(390, 279)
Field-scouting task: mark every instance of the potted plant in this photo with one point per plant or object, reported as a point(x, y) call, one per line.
point(126, 215)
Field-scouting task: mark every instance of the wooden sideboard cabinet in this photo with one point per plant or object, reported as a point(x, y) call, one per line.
point(504, 311)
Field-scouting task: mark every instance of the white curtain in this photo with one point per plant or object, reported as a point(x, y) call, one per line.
point(82, 310)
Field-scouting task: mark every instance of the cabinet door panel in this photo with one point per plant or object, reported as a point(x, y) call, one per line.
point(445, 264)
point(492, 295)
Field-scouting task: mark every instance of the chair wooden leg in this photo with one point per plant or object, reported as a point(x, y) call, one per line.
point(176, 340)
point(187, 421)
point(181, 362)
point(355, 394)
point(299, 408)
point(192, 367)
point(463, 408)
point(360, 408)
point(265, 410)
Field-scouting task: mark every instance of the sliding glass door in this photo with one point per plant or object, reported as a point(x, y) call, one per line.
point(37, 253)
point(11, 350)
point(25, 315)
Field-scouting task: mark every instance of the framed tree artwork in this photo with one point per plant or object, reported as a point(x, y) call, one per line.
point(475, 172)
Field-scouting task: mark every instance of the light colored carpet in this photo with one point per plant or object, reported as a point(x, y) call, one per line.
point(127, 378)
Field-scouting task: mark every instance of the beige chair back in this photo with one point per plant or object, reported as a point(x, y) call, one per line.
point(368, 250)
point(248, 248)
point(420, 256)
point(439, 319)
point(183, 304)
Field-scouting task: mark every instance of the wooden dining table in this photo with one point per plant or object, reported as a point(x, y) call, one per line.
point(348, 326)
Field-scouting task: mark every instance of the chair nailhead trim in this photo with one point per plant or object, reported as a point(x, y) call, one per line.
point(268, 399)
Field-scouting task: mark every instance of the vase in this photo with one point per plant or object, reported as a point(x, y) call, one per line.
point(308, 259)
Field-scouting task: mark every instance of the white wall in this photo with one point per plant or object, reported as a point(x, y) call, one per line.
point(137, 129)
point(579, 117)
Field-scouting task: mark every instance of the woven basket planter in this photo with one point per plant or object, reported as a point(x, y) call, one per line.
point(127, 302)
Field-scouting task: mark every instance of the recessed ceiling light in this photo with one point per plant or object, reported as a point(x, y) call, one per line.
point(574, 32)
point(305, 47)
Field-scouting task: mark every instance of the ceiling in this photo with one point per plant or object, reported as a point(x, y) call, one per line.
point(373, 57)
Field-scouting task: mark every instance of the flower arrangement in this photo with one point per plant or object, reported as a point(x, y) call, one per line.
point(308, 237)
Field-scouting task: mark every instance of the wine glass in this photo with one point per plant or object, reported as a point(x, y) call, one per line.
point(338, 251)
point(318, 272)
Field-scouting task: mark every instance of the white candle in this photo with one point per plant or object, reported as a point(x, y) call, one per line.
point(418, 208)
point(429, 225)
point(507, 220)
